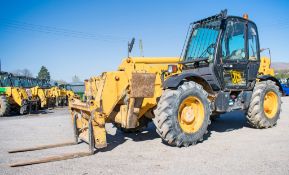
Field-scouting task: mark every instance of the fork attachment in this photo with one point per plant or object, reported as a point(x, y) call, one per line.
point(42, 147)
point(54, 158)
point(51, 159)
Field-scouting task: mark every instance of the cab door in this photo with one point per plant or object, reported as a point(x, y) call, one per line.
point(233, 55)
point(253, 52)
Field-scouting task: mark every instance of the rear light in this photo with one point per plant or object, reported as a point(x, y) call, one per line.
point(172, 68)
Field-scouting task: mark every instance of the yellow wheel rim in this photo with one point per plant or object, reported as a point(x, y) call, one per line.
point(270, 105)
point(191, 114)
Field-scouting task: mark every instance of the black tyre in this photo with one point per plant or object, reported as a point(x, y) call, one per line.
point(4, 106)
point(66, 101)
point(264, 109)
point(215, 117)
point(56, 102)
point(38, 103)
point(183, 115)
point(23, 110)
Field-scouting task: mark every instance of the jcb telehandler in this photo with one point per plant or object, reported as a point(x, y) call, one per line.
point(217, 73)
point(41, 90)
point(60, 95)
point(13, 98)
point(26, 83)
point(67, 89)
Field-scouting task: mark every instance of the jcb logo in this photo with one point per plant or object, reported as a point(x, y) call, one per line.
point(236, 77)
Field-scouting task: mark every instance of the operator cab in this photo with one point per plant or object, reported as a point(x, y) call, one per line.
point(16, 82)
point(5, 79)
point(65, 86)
point(43, 83)
point(224, 50)
point(25, 82)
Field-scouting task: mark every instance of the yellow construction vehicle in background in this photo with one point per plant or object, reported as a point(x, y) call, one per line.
point(67, 89)
point(41, 90)
point(62, 94)
point(13, 98)
point(218, 72)
point(26, 83)
point(59, 96)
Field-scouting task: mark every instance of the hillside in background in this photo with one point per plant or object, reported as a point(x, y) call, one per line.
point(280, 65)
point(281, 70)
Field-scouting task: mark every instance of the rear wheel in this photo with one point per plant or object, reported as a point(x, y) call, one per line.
point(183, 115)
point(4, 106)
point(264, 109)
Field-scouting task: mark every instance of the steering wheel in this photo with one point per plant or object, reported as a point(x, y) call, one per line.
point(237, 54)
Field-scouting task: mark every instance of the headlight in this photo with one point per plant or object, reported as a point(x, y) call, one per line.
point(172, 68)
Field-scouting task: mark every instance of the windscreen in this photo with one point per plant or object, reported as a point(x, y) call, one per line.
point(68, 87)
point(5, 81)
point(16, 81)
point(26, 82)
point(202, 42)
point(34, 82)
point(44, 83)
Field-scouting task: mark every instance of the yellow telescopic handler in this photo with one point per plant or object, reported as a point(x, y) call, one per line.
point(41, 90)
point(218, 72)
point(13, 98)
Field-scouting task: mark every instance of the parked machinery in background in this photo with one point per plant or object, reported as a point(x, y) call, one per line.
point(13, 98)
point(285, 87)
point(70, 94)
point(41, 90)
point(26, 83)
point(59, 95)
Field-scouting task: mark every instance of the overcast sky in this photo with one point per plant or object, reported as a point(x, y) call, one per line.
point(85, 38)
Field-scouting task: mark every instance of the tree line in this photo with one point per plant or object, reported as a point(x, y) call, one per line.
point(43, 74)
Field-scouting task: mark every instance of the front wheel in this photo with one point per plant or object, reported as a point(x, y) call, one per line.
point(183, 115)
point(264, 109)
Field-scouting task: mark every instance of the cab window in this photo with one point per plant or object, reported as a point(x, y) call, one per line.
point(252, 42)
point(233, 42)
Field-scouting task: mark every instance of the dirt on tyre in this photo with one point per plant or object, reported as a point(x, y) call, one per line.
point(265, 105)
point(4, 106)
point(182, 115)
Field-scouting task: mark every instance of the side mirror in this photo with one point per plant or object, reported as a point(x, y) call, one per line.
point(130, 46)
point(263, 49)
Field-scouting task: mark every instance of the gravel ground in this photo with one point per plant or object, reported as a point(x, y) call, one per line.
point(231, 148)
